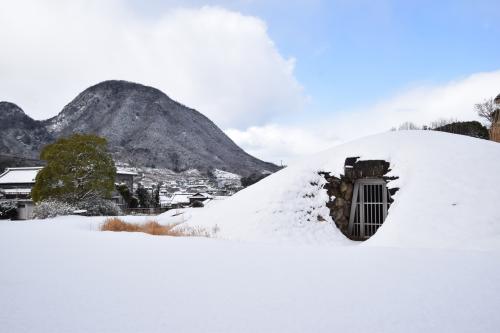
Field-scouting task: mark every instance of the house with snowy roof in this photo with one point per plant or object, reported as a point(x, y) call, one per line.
point(123, 177)
point(183, 199)
point(199, 197)
point(16, 183)
point(180, 200)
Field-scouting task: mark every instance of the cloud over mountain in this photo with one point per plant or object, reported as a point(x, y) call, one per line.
point(218, 61)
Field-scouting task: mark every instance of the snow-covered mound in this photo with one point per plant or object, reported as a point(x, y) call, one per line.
point(449, 195)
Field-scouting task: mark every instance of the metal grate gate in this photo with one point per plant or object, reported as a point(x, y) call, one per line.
point(369, 207)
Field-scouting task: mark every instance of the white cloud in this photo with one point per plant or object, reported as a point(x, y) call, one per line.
point(281, 144)
point(220, 62)
point(420, 105)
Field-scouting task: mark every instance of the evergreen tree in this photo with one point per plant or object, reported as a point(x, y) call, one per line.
point(125, 192)
point(156, 192)
point(470, 128)
point(143, 196)
point(78, 168)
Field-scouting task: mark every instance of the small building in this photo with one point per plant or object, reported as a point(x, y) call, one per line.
point(25, 209)
point(180, 200)
point(16, 185)
point(164, 201)
point(123, 177)
point(199, 197)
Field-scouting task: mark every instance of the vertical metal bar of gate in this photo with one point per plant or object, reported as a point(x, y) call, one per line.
point(354, 205)
point(362, 211)
point(379, 199)
point(384, 202)
point(369, 219)
point(368, 207)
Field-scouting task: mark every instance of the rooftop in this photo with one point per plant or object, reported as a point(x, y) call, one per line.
point(19, 175)
point(180, 198)
point(27, 175)
point(125, 172)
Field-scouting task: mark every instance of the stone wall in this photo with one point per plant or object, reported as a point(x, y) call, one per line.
point(495, 132)
point(340, 189)
point(495, 124)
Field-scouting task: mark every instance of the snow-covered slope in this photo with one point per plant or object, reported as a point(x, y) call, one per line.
point(449, 195)
point(63, 275)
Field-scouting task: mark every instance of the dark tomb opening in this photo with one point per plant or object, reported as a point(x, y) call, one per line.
point(360, 198)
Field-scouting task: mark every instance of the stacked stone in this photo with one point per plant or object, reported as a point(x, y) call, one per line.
point(340, 189)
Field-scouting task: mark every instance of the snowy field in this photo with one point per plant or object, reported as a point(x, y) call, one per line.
point(64, 276)
point(432, 267)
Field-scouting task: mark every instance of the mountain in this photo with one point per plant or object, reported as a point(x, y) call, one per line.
point(21, 137)
point(143, 126)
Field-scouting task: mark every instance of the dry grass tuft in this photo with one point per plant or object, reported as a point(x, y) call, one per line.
point(116, 224)
point(153, 228)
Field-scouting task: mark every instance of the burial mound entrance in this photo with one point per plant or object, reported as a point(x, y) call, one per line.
point(360, 198)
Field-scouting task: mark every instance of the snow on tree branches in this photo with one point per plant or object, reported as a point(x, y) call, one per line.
point(78, 169)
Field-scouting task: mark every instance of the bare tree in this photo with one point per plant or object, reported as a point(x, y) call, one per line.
point(408, 125)
point(486, 110)
point(442, 122)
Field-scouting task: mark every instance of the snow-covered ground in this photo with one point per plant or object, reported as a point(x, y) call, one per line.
point(62, 275)
point(432, 267)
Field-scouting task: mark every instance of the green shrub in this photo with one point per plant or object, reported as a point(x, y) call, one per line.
point(469, 128)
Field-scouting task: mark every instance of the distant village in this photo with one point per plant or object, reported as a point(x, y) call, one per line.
point(175, 190)
point(157, 190)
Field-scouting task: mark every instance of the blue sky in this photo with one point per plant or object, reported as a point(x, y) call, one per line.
point(281, 78)
point(354, 53)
